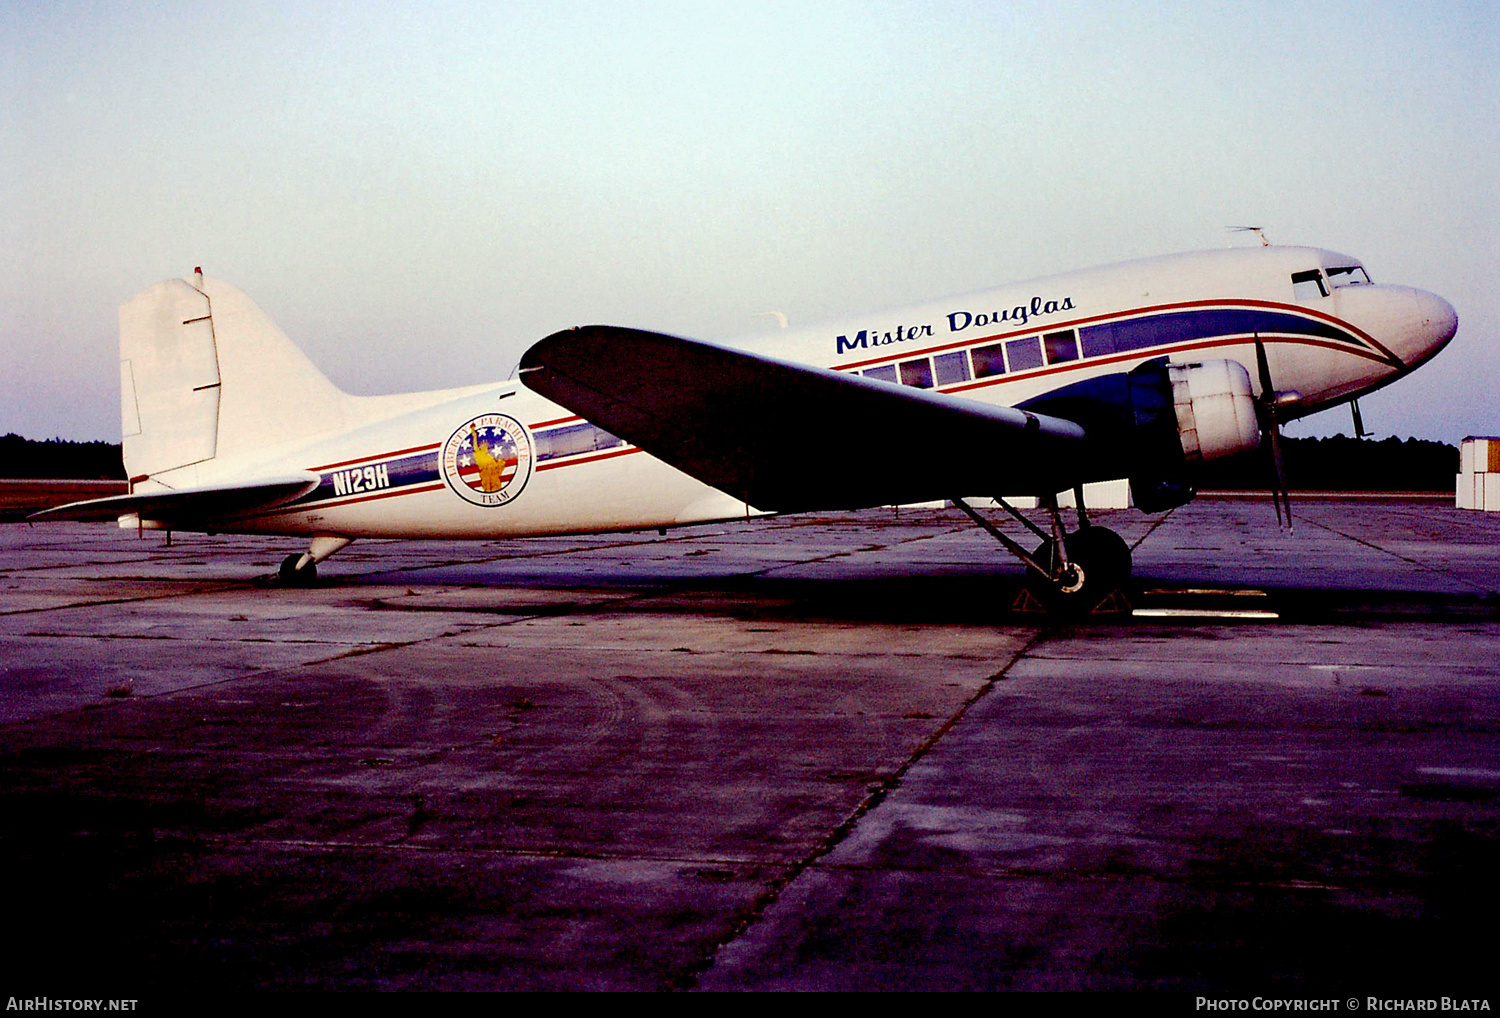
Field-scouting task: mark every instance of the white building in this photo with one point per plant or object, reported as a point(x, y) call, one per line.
point(1479, 474)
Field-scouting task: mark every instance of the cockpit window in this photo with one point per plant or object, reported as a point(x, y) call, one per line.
point(1308, 285)
point(1348, 275)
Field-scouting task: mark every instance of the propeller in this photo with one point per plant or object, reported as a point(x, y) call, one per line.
point(1271, 428)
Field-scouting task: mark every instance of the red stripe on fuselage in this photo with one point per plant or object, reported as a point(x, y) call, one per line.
point(379, 456)
point(1115, 316)
point(560, 420)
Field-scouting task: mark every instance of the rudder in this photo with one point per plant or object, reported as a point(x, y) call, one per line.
point(169, 379)
point(205, 375)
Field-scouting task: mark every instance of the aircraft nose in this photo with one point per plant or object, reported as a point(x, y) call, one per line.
point(1442, 320)
point(1413, 324)
point(1438, 323)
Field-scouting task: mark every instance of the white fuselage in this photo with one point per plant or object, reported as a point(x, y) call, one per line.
point(1328, 335)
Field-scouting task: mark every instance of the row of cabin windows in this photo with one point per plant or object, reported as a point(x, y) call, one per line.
point(981, 361)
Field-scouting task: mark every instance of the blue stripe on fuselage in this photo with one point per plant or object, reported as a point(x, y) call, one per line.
point(375, 476)
point(383, 475)
point(1123, 335)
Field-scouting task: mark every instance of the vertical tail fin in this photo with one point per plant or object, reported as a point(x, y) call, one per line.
point(169, 379)
point(205, 375)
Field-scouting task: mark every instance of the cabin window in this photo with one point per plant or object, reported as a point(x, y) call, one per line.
point(1097, 340)
point(950, 368)
point(989, 360)
point(1060, 346)
point(886, 372)
point(1308, 285)
point(1140, 333)
point(1348, 275)
point(1024, 353)
point(917, 373)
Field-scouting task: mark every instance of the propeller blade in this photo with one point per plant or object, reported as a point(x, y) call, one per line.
point(1263, 367)
point(1359, 421)
point(1271, 428)
point(1280, 494)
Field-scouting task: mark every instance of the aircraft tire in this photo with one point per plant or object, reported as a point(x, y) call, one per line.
point(1106, 549)
point(291, 576)
point(1100, 554)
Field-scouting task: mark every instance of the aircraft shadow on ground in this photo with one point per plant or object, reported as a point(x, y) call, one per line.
point(975, 598)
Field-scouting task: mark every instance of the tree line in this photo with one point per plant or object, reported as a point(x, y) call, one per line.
point(57, 459)
point(1341, 463)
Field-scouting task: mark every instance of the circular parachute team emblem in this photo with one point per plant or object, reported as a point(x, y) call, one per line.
point(487, 461)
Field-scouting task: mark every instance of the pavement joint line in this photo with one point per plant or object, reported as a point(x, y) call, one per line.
point(101, 636)
point(22, 571)
point(227, 585)
point(849, 552)
point(758, 908)
point(288, 641)
point(1394, 554)
point(1152, 529)
point(210, 683)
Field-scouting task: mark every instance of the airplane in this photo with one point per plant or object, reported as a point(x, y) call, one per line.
point(1142, 370)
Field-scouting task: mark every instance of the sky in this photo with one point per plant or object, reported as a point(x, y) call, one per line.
point(417, 192)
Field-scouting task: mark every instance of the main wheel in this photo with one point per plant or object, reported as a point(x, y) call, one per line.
point(291, 576)
point(1098, 560)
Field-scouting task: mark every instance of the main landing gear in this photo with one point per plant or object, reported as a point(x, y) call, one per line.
point(302, 570)
point(1084, 571)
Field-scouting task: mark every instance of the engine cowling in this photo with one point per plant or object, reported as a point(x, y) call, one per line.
point(1215, 409)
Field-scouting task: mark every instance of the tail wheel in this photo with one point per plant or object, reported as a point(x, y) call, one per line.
point(291, 576)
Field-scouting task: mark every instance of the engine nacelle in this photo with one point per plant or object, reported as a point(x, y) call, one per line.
point(1157, 423)
point(1215, 409)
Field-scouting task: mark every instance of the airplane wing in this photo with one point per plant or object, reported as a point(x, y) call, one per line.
point(207, 502)
point(787, 437)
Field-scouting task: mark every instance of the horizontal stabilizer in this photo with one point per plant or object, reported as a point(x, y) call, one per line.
point(209, 502)
point(787, 437)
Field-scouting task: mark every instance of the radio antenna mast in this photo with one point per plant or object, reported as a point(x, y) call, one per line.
point(1252, 229)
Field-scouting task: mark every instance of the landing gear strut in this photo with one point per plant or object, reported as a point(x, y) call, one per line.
point(1078, 571)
